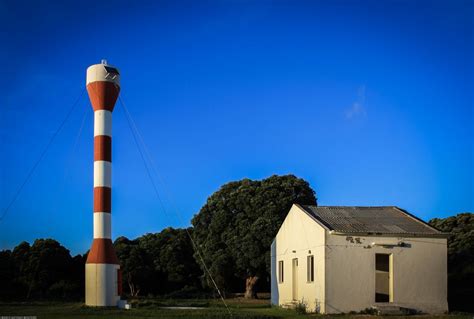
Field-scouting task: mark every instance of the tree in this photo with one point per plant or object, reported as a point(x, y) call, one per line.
point(172, 254)
point(43, 265)
point(49, 263)
point(8, 288)
point(236, 226)
point(460, 259)
point(135, 265)
point(158, 263)
point(20, 257)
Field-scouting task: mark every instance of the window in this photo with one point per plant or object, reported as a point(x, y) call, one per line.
point(111, 70)
point(280, 271)
point(310, 268)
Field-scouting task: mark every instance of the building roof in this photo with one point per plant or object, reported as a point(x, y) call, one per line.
point(373, 220)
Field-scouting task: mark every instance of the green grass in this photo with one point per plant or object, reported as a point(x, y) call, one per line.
point(150, 308)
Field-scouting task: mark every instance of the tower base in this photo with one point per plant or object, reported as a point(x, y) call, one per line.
point(102, 287)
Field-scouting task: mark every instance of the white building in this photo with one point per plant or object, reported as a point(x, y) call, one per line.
point(342, 259)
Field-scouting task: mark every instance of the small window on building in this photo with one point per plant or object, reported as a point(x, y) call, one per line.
point(280, 271)
point(310, 268)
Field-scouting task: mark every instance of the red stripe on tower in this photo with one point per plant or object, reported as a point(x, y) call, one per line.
point(102, 200)
point(103, 148)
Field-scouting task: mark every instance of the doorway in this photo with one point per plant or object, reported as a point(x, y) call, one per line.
point(295, 278)
point(383, 278)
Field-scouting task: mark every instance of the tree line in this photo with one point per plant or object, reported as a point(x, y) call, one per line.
point(460, 259)
point(232, 232)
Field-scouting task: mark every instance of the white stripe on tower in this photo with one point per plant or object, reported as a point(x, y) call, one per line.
point(102, 227)
point(102, 174)
point(103, 123)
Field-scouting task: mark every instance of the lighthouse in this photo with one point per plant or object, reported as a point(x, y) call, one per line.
point(103, 274)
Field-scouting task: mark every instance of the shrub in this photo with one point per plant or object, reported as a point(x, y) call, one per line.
point(370, 311)
point(300, 307)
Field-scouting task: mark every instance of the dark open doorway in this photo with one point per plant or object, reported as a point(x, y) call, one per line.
point(383, 274)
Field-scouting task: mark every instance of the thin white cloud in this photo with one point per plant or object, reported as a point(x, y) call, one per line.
point(358, 108)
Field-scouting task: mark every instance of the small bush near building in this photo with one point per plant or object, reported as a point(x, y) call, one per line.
point(369, 311)
point(300, 307)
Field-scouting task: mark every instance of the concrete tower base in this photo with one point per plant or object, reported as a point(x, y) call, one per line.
point(102, 285)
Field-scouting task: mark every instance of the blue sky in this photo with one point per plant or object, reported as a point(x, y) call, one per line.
point(369, 101)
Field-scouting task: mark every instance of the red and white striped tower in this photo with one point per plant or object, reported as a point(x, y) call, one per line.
point(103, 277)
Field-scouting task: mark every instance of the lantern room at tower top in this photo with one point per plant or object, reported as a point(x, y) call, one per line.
point(103, 86)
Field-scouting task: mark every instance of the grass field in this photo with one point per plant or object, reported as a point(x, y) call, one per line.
point(151, 308)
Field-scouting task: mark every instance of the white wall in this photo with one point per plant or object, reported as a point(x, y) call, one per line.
point(298, 235)
point(419, 273)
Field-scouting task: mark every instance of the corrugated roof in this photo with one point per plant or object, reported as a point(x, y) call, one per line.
point(377, 220)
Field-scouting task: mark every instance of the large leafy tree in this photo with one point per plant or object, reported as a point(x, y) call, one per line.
point(20, 257)
point(44, 269)
point(49, 263)
point(460, 259)
point(236, 226)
